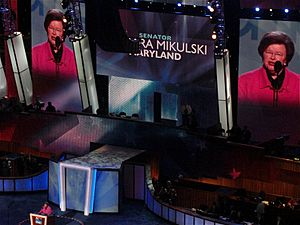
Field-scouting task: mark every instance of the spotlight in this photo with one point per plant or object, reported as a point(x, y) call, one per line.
point(136, 1)
point(211, 9)
point(271, 10)
point(3, 10)
point(214, 35)
point(286, 10)
point(65, 20)
point(257, 9)
point(179, 4)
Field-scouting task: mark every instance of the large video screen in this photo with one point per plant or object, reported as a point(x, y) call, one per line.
point(268, 84)
point(54, 72)
point(176, 59)
point(174, 48)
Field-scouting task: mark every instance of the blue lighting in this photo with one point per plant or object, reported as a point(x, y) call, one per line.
point(40, 182)
point(23, 184)
point(179, 4)
point(257, 9)
point(286, 10)
point(94, 177)
point(136, 1)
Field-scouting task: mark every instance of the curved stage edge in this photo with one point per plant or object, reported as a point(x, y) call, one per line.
point(176, 215)
point(36, 182)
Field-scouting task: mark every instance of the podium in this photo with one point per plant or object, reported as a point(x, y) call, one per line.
point(38, 219)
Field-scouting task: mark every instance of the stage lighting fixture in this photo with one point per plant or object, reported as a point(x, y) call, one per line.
point(67, 19)
point(20, 67)
point(214, 35)
point(217, 18)
point(179, 4)
point(286, 10)
point(257, 9)
point(65, 3)
point(211, 9)
point(3, 83)
point(68, 23)
point(74, 30)
point(3, 9)
point(85, 73)
point(136, 1)
point(72, 19)
point(271, 10)
point(224, 89)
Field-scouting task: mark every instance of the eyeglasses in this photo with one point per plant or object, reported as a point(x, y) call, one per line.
point(274, 54)
point(58, 30)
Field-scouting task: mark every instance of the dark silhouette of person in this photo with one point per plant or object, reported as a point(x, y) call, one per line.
point(50, 107)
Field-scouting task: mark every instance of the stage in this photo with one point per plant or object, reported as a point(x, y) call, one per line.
point(90, 183)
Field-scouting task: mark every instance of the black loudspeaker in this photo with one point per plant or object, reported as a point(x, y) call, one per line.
point(157, 107)
point(102, 93)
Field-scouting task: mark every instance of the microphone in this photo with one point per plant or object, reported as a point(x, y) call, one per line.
point(278, 66)
point(58, 42)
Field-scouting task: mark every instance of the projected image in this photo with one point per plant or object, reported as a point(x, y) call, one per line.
point(174, 48)
point(54, 71)
point(272, 84)
point(176, 57)
point(137, 98)
point(268, 85)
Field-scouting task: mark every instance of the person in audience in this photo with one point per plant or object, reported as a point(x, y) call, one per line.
point(272, 84)
point(122, 114)
point(260, 212)
point(135, 116)
point(46, 209)
point(50, 107)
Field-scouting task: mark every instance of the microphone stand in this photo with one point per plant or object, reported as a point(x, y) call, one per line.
point(277, 67)
point(58, 45)
point(275, 93)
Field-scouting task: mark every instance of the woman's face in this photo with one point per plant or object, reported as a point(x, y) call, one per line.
point(55, 29)
point(273, 53)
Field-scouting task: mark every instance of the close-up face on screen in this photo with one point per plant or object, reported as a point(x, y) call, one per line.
point(268, 83)
point(54, 72)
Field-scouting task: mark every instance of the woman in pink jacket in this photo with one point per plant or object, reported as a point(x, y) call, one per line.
point(46, 209)
point(54, 70)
